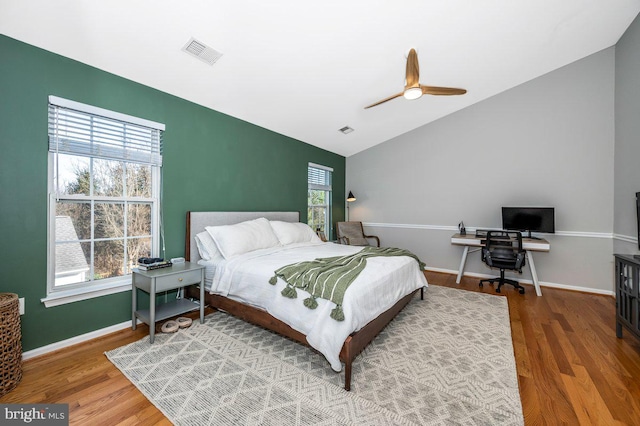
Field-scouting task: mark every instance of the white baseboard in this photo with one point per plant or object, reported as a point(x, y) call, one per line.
point(75, 340)
point(542, 283)
point(123, 325)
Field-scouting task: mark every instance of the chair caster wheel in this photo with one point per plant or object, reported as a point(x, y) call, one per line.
point(521, 291)
point(497, 290)
point(481, 285)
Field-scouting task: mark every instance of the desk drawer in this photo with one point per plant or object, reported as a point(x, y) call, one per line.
point(173, 281)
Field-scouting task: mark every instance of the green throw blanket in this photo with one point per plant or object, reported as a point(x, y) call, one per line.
point(328, 278)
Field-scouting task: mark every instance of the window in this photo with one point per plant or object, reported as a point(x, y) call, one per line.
point(104, 191)
point(319, 198)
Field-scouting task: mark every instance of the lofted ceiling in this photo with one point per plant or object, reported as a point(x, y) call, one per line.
point(305, 69)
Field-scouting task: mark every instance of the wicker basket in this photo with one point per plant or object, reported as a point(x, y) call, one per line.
point(10, 343)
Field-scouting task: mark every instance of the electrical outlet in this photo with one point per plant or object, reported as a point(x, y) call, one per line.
point(21, 305)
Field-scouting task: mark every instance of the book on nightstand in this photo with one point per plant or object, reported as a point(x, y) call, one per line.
point(155, 265)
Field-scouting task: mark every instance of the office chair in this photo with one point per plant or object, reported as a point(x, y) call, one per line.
point(503, 250)
point(352, 233)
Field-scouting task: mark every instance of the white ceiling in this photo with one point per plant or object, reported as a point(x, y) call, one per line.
point(307, 68)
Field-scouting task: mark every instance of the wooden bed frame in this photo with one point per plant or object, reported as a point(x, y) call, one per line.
point(353, 345)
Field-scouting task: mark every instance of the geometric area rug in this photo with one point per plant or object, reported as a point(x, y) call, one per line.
point(447, 359)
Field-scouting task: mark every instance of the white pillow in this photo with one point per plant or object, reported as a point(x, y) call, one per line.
point(294, 232)
point(233, 240)
point(207, 247)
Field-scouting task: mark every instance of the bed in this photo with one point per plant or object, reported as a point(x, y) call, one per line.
point(239, 286)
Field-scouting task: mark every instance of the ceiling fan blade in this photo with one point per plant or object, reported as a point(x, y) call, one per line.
point(442, 91)
point(413, 70)
point(385, 100)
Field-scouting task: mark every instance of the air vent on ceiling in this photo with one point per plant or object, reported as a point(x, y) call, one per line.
point(202, 51)
point(346, 130)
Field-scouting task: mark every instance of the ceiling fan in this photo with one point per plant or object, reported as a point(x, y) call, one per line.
point(413, 89)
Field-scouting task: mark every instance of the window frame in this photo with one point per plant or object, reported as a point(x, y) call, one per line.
point(328, 189)
point(62, 294)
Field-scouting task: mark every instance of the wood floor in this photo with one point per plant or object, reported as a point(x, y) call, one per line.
point(571, 367)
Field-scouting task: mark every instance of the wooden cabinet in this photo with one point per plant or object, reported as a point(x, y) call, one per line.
point(627, 304)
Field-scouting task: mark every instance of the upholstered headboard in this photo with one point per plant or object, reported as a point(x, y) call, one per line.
point(197, 221)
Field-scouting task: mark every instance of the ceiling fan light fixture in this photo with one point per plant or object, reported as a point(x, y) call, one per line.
point(412, 87)
point(412, 93)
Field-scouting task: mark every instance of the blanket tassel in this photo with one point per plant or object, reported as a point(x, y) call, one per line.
point(337, 314)
point(311, 302)
point(289, 292)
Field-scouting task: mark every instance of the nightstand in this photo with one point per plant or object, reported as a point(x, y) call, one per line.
point(164, 279)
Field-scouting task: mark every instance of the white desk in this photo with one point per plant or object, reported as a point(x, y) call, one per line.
point(528, 244)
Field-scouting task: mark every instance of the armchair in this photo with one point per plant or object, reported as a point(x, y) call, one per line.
point(352, 233)
point(503, 250)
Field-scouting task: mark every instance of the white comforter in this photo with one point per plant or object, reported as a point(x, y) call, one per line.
point(381, 284)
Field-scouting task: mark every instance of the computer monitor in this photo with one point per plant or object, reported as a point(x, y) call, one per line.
point(529, 219)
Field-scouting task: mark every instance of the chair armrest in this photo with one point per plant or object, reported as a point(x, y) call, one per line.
point(373, 236)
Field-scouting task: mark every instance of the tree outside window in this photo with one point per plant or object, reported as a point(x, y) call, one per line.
point(319, 198)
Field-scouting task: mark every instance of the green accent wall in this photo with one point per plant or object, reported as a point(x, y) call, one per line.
point(211, 161)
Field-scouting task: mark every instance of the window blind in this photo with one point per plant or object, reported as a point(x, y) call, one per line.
point(319, 177)
point(81, 131)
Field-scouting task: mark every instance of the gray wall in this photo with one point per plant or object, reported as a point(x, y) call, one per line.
point(549, 142)
point(627, 158)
